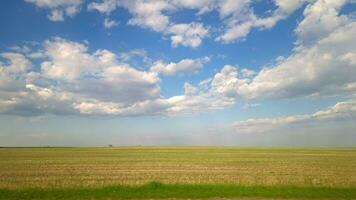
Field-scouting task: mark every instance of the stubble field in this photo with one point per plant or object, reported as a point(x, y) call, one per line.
point(266, 172)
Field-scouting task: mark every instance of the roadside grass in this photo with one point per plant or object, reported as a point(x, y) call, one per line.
point(157, 190)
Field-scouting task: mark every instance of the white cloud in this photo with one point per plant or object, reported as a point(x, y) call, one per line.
point(12, 75)
point(59, 8)
point(148, 13)
point(202, 5)
point(247, 72)
point(98, 75)
point(106, 6)
point(240, 18)
point(195, 100)
point(290, 6)
point(212, 94)
point(71, 79)
point(189, 90)
point(186, 66)
point(340, 111)
point(108, 108)
point(320, 19)
point(229, 7)
point(226, 82)
point(69, 60)
point(108, 23)
point(151, 14)
point(237, 16)
point(323, 69)
point(188, 34)
point(56, 15)
point(17, 63)
point(136, 57)
point(235, 32)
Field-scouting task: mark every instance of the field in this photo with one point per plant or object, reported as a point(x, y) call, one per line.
point(177, 172)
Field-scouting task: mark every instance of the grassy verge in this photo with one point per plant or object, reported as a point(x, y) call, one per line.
point(161, 191)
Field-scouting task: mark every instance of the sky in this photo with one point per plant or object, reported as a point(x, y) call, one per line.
point(178, 72)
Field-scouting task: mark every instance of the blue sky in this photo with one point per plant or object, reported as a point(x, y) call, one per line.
point(177, 72)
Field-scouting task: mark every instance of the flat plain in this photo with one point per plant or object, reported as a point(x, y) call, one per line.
point(36, 170)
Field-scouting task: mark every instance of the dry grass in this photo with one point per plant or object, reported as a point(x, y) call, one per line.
point(72, 167)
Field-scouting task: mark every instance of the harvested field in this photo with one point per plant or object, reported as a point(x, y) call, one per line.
point(95, 167)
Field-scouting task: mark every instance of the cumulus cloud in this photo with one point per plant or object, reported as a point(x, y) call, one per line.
point(345, 111)
point(151, 14)
point(211, 94)
point(69, 60)
point(71, 80)
point(17, 63)
point(203, 6)
point(186, 66)
point(318, 70)
point(247, 72)
point(98, 75)
point(239, 17)
point(197, 100)
point(320, 19)
point(148, 14)
point(13, 76)
point(145, 13)
point(327, 67)
point(225, 82)
point(58, 8)
point(108, 23)
point(188, 34)
point(105, 7)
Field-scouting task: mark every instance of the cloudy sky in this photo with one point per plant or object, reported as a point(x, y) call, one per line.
point(178, 72)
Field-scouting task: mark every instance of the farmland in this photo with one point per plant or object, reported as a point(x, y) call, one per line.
point(314, 170)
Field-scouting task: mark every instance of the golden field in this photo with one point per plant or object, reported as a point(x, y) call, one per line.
point(77, 167)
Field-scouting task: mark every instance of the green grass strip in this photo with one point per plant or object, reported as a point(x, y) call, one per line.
point(156, 190)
